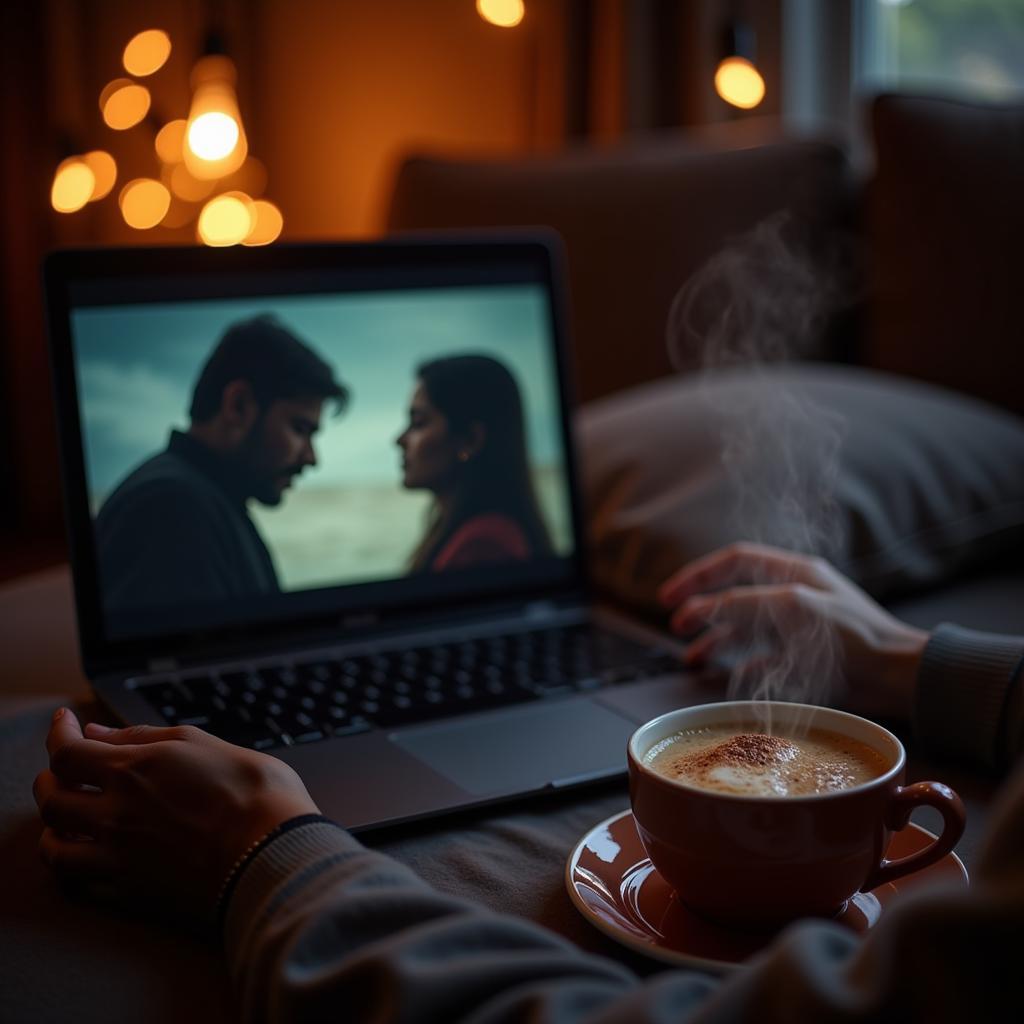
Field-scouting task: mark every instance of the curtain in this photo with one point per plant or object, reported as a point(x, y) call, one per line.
point(31, 511)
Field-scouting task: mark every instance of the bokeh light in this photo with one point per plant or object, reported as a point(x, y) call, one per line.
point(147, 52)
point(144, 203)
point(170, 141)
point(73, 185)
point(738, 82)
point(226, 219)
point(215, 142)
point(104, 170)
point(179, 213)
point(124, 103)
point(185, 186)
point(267, 224)
point(250, 178)
point(503, 13)
point(213, 136)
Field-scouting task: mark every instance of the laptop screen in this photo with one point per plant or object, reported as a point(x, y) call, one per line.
point(265, 445)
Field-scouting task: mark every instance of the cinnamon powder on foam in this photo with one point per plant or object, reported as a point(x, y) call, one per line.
point(768, 757)
point(746, 749)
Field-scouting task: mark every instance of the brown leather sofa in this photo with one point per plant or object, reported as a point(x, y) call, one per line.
point(637, 221)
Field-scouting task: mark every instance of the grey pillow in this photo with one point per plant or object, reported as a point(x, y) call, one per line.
point(901, 484)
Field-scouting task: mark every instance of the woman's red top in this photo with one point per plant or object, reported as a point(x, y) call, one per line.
point(483, 540)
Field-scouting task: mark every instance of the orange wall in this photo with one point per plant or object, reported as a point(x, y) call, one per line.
point(351, 87)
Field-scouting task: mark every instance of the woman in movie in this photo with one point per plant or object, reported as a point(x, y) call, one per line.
point(465, 443)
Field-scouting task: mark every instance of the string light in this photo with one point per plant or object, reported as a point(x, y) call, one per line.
point(147, 52)
point(215, 143)
point(170, 141)
point(124, 103)
point(200, 156)
point(268, 224)
point(73, 185)
point(503, 13)
point(738, 82)
point(104, 171)
point(144, 203)
point(226, 219)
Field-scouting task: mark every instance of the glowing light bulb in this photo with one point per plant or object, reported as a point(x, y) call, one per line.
point(147, 52)
point(503, 13)
point(104, 170)
point(124, 103)
point(73, 185)
point(738, 82)
point(226, 219)
point(267, 224)
point(144, 203)
point(215, 143)
point(213, 136)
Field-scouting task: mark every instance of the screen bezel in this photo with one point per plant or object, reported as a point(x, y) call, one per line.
point(328, 614)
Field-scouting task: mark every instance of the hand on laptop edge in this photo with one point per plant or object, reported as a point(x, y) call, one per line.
point(747, 595)
point(164, 812)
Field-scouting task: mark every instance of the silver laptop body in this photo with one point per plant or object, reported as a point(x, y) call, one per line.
point(395, 693)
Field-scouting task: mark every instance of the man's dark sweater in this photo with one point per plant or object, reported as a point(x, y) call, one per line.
point(176, 531)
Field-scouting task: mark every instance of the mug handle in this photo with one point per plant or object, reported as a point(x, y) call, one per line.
point(897, 817)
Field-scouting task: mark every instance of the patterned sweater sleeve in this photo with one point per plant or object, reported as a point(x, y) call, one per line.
point(969, 696)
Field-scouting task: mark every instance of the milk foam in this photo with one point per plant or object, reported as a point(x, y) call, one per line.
point(741, 761)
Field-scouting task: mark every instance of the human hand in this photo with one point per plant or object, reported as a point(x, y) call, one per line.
point(744, 587)
point(161, 813)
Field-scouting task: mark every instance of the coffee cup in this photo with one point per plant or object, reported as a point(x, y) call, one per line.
point(760, 860)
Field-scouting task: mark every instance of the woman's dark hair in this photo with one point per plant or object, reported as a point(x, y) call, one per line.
point(470, 390)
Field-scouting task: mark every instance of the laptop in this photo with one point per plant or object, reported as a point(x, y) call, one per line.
point(406, 664)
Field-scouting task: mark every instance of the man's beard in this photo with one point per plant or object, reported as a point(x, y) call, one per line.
point(266, 493)
point(259, 481)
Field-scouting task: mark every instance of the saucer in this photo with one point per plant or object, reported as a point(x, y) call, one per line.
point(615, 887)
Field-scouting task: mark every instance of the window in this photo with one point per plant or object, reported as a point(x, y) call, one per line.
point(957, 47)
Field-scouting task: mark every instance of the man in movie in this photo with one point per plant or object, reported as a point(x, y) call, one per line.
point(177, 529)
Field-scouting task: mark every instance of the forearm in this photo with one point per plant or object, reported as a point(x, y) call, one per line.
point(968, 696)
point(320, 928)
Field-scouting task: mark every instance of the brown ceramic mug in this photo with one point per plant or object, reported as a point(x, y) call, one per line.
point(762, 860)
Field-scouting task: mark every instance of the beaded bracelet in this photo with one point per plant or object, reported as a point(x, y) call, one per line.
point(228, 886)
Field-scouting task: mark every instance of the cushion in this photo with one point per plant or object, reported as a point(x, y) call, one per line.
point(945, 223)
point(637, 221)
point(901, 484)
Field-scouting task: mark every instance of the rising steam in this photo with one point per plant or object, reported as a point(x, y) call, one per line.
point(760, 301)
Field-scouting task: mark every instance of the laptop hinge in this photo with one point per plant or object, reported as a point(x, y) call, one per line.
point(162, 665)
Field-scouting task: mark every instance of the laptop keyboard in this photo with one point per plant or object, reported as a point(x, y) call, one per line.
point(302, 701)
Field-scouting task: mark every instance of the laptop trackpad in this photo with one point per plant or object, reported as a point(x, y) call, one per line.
point(524, 748)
